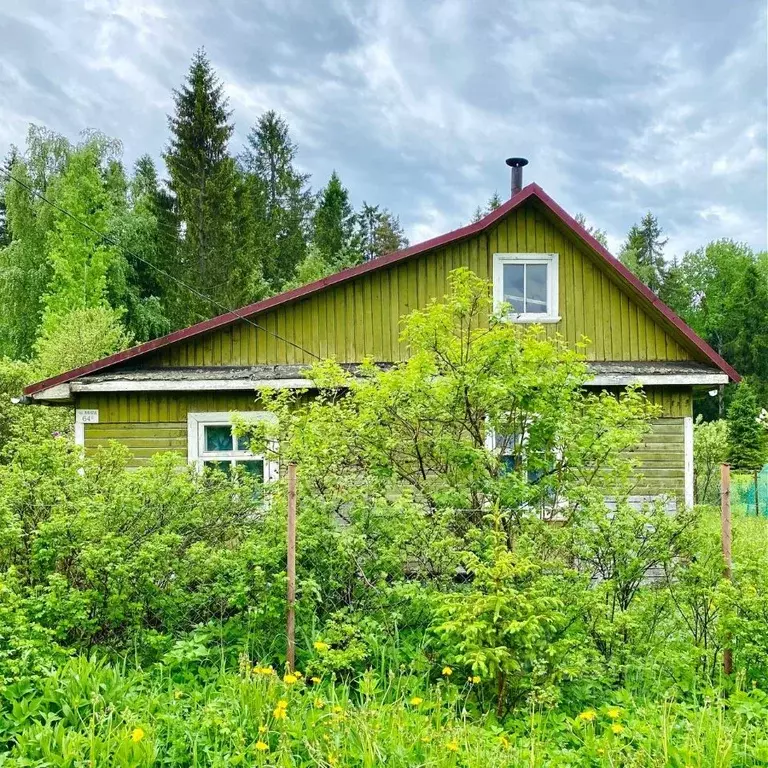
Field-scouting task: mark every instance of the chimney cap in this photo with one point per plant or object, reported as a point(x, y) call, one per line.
point(516, 162)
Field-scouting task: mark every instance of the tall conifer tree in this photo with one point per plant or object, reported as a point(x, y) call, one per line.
point(203, 181)
point(278, 197)
point(334, 222)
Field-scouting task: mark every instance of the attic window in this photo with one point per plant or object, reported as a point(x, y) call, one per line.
point(527, 284)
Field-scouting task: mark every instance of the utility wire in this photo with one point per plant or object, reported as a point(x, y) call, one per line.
point(111, 240)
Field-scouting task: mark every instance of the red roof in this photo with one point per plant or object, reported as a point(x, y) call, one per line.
point(530, 191)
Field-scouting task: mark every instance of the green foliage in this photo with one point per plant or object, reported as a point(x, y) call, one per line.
point(643, 252)
point(599, 234)
point(278, 198)
point(710, 450)
point(203, 179)
point(79, 337)
point(747, 436)
point(334, 223)
point(379, 232)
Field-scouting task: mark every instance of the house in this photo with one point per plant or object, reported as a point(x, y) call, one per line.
point(177, 393)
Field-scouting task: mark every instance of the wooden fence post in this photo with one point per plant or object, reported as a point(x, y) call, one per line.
point(291, 569)
point(725, 521)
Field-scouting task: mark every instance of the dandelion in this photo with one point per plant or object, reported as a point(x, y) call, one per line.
point(320, 646)
point(319, 704)
point(280, 711)
point(473, 679)
point(614, 713)
point(587, 716)
point(261, 746)
point(416, 700)
point(447, 671)
point(137, 734)
point(617, 728)
point(298, 674)
point(315, 680)
point(290, 679)
point(338, 709)
point(452, 746)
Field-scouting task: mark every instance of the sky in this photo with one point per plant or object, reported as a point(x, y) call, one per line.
point(621, 107)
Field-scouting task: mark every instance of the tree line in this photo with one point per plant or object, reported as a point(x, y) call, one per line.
point(217, 231)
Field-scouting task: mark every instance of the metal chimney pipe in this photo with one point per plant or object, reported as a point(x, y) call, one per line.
point(517, 164)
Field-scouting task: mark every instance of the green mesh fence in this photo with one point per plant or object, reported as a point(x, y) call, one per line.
point(749, 492)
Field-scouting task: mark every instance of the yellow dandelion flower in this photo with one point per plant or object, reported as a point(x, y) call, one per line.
point(282, 704)
point(320, 646)
point(261, 746)
point(290, 679)
point(473, 679)
point(416, 700)
point(137, 734)
point(338, 709)
point(587, 716)
point(315, 680)
point(279, 713)
point(298, 674)
point(263, 728)
point(447, 671)
point(452, 746)
point(319, 704)
point(617, 728)
point(614, 713)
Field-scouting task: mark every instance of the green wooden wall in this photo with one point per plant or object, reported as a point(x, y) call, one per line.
point(149, 423)
point(361, 317)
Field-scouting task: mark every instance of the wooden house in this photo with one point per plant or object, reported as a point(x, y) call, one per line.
point(177, 393)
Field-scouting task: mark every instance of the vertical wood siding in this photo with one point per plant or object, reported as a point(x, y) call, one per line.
point(361, 318)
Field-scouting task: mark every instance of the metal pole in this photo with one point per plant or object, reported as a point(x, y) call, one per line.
point(725, 520)
point(291, 569)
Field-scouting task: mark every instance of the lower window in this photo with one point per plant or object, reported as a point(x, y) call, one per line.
point(213, 445)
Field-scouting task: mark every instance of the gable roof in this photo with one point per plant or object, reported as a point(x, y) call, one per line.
point(531, 191)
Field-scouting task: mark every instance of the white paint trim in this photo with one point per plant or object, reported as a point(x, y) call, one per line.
point(656, 379)
point(688, 453)
point(552, 262)
point(196, 423)
point(80, 434)
point(59, 392)
point(188, 385)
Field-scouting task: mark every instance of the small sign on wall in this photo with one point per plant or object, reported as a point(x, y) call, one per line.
point(87, 416)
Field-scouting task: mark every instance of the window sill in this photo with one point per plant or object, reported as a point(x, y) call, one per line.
point(541, 319)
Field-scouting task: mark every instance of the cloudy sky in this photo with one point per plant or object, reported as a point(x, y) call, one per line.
point(620, 106)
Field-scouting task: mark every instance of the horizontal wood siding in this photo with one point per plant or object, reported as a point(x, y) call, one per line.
point(661, 460)
point(362, 318)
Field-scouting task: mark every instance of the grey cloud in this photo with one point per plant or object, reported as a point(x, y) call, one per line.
point(620, 107)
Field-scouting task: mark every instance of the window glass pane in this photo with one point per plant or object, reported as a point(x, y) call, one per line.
point(514, 286)
point(536, 288)
point(253, 468)
point(220, 466)
point(218, 437)
point(243, 443)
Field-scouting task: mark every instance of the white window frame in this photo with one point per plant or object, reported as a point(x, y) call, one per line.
point(196, 423)
point(551, 260)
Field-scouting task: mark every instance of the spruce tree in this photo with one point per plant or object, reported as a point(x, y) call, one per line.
point(746, 432)
point(278, 199)
point(203, 182)
point(675, 291)
point(379, 232)
point(334, 223)
point(598, 234)
point(643, 252)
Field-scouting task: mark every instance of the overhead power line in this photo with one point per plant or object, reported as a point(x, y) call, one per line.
point(109, 239)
